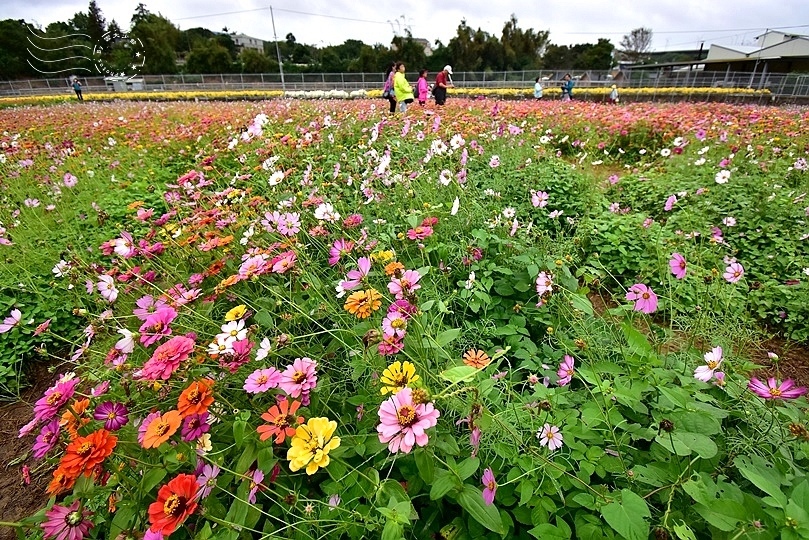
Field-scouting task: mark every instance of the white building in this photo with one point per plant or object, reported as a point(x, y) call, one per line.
point(243, 41)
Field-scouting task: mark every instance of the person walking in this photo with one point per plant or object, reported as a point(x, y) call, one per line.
point(442, 82)
point(537, 89)
point(402, 88)
point(614, 95)
point(77, 88)
point(422, 87)
point(387, 90)
point(567, 87)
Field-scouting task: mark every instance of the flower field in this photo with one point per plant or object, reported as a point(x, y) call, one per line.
point(501, 319)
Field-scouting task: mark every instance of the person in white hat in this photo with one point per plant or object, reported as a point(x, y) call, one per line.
point(614, 94)
point(442, 82)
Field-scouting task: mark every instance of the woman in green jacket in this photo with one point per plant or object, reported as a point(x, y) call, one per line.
point(402, 88)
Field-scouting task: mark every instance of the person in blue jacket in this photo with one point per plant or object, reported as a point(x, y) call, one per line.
point(567, 87)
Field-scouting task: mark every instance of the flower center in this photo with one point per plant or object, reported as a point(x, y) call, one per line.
point(174, 505)
point(261, 379)
point(298, 377)
point(398, 323)
point(111, 415)
point(404, 283)
point(87, 447)
point(645, 296)
point(712, 364)
point(73, 518)
point(234, 333)
point(54, 398)
point(194, 395)
point(400, 379)
point(162, 428)
point(491, 485)
point(775, 392)
point(406, 415)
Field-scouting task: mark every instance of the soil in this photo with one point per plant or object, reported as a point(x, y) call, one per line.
point(18, 500)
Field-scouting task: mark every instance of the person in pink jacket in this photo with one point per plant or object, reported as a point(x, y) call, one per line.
point(423, 88)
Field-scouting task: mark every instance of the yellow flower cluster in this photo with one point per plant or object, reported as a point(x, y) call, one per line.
point(311, 445)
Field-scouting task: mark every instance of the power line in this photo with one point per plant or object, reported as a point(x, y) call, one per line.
point(692, 31)
point(280, 9)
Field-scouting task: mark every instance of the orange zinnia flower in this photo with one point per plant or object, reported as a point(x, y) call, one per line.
point(84, 453)
point(392, 267)
point(175, 502)
point(61, 482)
point(161, 428)
point(281, 419)
point(196, 398)
point(72, 419)
point(363, 303)
point(476, 358)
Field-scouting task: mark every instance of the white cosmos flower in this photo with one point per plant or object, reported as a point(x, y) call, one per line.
point(456, 204)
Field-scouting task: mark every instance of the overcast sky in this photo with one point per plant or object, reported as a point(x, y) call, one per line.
point(677, 24)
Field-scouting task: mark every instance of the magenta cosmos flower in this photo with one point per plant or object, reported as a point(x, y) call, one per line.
point(403, 423)
point(207, 480)
point(713, 359)
point(115, 415)
point(490, 486)
point(677, 265)
point(566, 370)
point(733, 272)
point(645, 299)
point(549, 436)
point(773, 390)
point(340, 248)
point(354, 277)
point(66, 522)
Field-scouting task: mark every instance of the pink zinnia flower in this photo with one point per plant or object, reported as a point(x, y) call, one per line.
point(645, 299)
point(490, 486)
point(405, 284)
point(566, 370)
point(253, 266)
point(420, 233)
point(773, 390)
point(66, 522)
point(677, 265)
point(299, 379)
point(391, 344)
point(167, 358)
point(733, 272)
point(549, 436)
point(157, 325)
point(194, 426)
point(713, 359)
point(11, 321)
point(403, 423)
point(49, 404)
point(403, 308)
point(47, 439)
point(394, 325)
point(262, 380)
point(340, 248)
point(284, 262)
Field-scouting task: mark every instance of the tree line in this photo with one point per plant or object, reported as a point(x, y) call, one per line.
point(76, 46)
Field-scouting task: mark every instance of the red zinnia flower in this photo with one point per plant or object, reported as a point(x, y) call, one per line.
point(84, 453)
point(175, 502)
point(281, 420)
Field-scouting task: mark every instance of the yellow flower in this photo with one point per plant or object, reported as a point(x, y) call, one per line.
point(363, 303)
point(397, 376)
point(382, 256)
point(236, 313)
point(311, 445)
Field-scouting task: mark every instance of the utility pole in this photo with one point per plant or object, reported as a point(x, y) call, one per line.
point(278, 52)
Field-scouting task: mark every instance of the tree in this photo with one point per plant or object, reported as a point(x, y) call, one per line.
point(636, 44)
point(209, 58)
point(256, 62)
point(13, 54)
point(160, 39)
point(523, 49)
point(598, 56)
point(409, 51)
point(97, 26)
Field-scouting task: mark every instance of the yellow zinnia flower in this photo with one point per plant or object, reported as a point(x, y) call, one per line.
point(236, 313)
point(397, 376)
point(311, 445)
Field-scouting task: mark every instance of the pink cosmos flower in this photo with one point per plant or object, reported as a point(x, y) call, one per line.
point(167, 358)
point(774, 390)
point(539, 199)
point(146, 306)
point(544, 283)
point(299, 379)
point(406, 284)
point(670, 202)
point(284, 262)
point(157, 325)
point(354, 277)
point(394, 325)
point(67, 522)
point(124, 246)
point(255, 483)
point(340, 248)
point(566, 370)
point(713, 359)
point(733, 272)
point(207, 480)
point(549, 436)
point(106, 286)
point(490, 486)
point(262, 380)
point(115, 415)
point(11, 321)
point(69, 180)
point(677, 265)
point(645, 299)
point(144, 425)
point(403, 423)
point(289, 224)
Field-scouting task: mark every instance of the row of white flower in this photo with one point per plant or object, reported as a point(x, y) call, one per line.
point(330, 94)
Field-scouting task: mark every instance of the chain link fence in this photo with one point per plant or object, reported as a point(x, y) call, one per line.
point(781, 86)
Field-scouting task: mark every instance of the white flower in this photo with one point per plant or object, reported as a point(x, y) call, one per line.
point(263, 349)
point(729, 221)
point(665, 152)
point(276, 178)
point(456, 204)
point(233, 329)
point(700, 161)
point(222, 345)
point(127, 343)
point(471, 281)
point(325, 212)
point(509, 212)
point(61, 268)
point(722, 176)
point(445, 177)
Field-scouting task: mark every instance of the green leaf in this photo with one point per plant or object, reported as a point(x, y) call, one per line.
point(425, 463)
point(638, 344)
point(467, 468)
point(683, 531)
point(723, 514)
point(392, 531)
point(582, 303)
point(628, 516)
point(264, 318)
point(471, 500)
point(447, 336)
point(152, 478)
point(121, 521)
point(444, 483)
point(546, 530)
point(427, 305)
point(458, 373)
point(762, 476)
